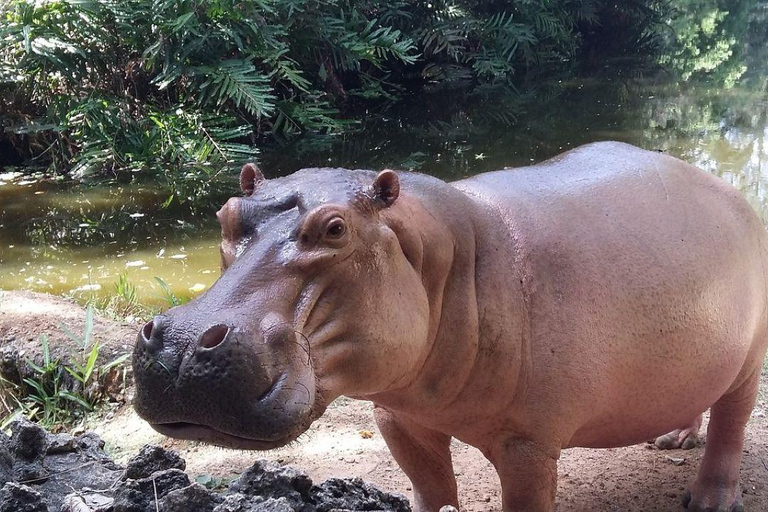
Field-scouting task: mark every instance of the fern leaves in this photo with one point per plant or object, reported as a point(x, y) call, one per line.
point(105, 87)
point(239, 82)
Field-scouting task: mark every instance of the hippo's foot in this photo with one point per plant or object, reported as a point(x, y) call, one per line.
point(718, 499)
point(716, 488)
point(685, 438)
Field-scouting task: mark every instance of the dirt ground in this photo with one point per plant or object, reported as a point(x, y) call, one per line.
point(345, 443)
point(25, 316)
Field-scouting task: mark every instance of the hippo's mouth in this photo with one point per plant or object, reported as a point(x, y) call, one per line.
point(206, 434)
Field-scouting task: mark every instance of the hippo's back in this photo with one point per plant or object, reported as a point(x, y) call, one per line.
point(605, 171)
point(610, 192)
point(639, 262)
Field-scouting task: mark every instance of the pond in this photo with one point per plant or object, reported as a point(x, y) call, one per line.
point(78, 239)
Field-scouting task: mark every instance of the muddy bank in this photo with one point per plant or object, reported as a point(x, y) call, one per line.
point(27, 317)
point(43, 472)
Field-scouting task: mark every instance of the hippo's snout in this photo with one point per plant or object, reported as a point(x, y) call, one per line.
point(222, 383)
point(152, 335)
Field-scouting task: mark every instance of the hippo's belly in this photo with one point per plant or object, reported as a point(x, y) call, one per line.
point(645, 288)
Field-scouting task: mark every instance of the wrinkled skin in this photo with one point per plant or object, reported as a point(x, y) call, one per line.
point(602, 298)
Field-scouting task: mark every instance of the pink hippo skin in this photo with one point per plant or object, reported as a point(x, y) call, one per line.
point(602, 298)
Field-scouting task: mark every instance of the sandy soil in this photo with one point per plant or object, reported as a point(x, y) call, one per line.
point(345, 443)
point(633, 479)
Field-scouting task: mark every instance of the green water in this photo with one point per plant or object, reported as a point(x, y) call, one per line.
point(64, 239)
point(76, 239)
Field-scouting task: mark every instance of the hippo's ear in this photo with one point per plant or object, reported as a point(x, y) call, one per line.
point(250, 179)
point(386, 187)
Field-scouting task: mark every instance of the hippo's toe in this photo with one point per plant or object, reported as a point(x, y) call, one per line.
point(682, 438)
point(703, 502)
point(685, 438)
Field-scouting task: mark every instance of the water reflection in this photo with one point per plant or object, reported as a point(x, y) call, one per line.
point(708, 105)
point(76, 240)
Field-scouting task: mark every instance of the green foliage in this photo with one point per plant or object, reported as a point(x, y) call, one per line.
point(213, 483)
point(236, 80)
point(95, 87)
point(125, 302)
point(121, 304)
point(708, 39)
point(492, 41)
point(46, 399)
point(125, 293)
point(108, 87)
point(167, 294)
point(46, 396)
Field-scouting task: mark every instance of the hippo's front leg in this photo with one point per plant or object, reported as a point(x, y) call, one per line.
point(528, 473)
point(425, 457)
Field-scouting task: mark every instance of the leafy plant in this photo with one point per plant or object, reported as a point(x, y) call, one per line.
point(47, 400)
point(94, 87)
point(84, 360)
point(167, 293)
point(213, 483)
point(109, 87)
point(708, 38)
point(121, 304)
point(125, 300)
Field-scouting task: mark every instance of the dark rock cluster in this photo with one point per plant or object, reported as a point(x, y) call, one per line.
point(38, 470)
point(42, 472)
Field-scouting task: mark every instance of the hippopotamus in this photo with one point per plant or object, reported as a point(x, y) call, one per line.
point(602, 298)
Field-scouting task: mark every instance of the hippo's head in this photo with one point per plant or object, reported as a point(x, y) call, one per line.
point(317, 298)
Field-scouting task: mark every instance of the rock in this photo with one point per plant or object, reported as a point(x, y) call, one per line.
point(194, 497)
point(61, 443)
point(141, 495)
point(355, 494)
point(276, 505)
point(94, 502)
point(29, 472)
point(90, 442)
point(91, 446)
point(78, 471)
point(9, 361)
point(153, 458)
point(20, 498)
point(238, 502)
point(74, 503)
point(28, 445)
point(129, 497)
point(235, 503)
point(73, 474)
point(163, 482)
point(269, 479)
point(6, 460)
point(28, 440)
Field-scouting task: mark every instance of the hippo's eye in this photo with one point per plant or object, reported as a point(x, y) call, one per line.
point(336, 228)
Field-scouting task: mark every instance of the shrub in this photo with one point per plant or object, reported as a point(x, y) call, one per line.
point(96, 86)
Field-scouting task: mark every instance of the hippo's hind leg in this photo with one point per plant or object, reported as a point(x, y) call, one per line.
point(685, 438)
point(716, 487)
point(425, 457)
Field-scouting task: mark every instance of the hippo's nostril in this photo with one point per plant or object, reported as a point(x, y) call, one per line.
point(146, 332)
point(214, 336)
point(151, 335)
